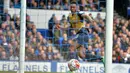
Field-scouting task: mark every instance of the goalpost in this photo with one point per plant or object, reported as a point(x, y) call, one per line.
point(109, 36)
point(22, 35)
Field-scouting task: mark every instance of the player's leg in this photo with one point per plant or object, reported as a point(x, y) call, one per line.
point(83, 37)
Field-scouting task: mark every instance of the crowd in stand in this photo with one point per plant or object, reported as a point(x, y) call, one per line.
point(121, 40)
point(62, 46)
point(37, 47)
point(86, 5)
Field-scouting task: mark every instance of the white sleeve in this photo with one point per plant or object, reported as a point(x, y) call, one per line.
point(81, 12)
point(128, 55)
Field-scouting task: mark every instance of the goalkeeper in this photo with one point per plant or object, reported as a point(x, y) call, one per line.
point(76, 20)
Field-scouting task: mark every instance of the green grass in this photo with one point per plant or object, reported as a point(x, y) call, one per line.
point(25, 72)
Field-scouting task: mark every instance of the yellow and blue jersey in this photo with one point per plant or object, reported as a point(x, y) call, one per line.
point(76, 21)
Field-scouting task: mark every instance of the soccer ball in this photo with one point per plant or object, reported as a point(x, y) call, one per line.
point(73, 64)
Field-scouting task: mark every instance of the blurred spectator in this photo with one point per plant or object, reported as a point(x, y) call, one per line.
point(5, 15)
point(114, 58)
point(42, 55)
point(4, 55)
point(57, 56)
point(97, 50)
point(1, 7)
point(42, 5)
point(64, 24)
point(57, 6)
point(51, 24)
point(13, 55)
point(16, 3)
point(1, 49)
point(49, 53)
point(72, 53)
point(13, 38)
point(29, 26)
point(28, 20)
point(30, 53)
point(17, 23)
point(57, 30)
point(126, 57)
point(35, 5)
point(5, 44)
point(66, 6)
point(102, 8)
point(33, 43)
point(49, 5)
point(98, 17)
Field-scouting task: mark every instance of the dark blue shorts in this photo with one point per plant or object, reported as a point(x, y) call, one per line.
point(83, 36)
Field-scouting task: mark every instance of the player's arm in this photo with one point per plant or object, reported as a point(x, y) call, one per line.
point(87, 17)
point(69, 24)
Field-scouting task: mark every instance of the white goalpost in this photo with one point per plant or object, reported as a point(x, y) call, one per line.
point(22, 35)
point(109, 35)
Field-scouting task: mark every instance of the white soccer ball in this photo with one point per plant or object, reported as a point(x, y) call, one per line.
point(73, 64)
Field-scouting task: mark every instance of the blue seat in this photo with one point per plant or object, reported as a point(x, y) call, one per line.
point(44, 32)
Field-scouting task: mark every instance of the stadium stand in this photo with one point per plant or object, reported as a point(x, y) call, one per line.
point(37, 47)
point(58, 45)
point(84, 5)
